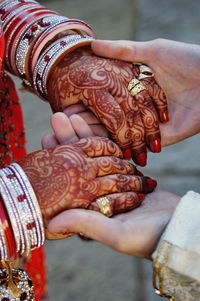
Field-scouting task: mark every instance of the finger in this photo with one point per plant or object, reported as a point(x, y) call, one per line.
point(124, 50)
point(49, 141)
point(96, 127)
point(74, 109)
point(119, 183)
point(158, 97)
point(80, 127)
point(63, 128)
point(98, 146)
point(150, 120)
point(108, 111)
point(89, 117)
point(121, 202)
point(90, 224)
point(99, 130)
point(113, 165)
point(132, 112)
point(56, 236)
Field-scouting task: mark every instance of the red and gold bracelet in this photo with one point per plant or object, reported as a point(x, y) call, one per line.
point(16, 34)
point(52, 56)
point(24, 44)
point(54, 30)
point(7, 6)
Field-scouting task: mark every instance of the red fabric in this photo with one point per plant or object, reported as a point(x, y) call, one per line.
point(12, 147)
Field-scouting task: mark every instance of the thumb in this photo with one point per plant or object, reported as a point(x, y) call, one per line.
point(91, 224)
point(124, 50)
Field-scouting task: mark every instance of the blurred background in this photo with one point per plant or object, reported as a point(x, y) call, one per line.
point(88, 271)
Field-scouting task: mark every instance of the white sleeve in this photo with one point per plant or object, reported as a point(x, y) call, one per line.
point(176, 262)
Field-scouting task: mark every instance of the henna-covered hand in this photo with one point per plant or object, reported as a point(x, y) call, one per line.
point(176, 69)
point(101, 85)
point(74, 175)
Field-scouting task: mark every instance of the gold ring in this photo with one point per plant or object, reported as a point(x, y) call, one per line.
point(135, 87)
point(145, 72)
point(104, 206)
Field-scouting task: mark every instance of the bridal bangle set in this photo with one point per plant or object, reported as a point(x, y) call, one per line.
point(37, 39)
point(21, 222)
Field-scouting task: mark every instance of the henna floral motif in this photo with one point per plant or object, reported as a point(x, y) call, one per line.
point(101, 84)
point(121, 202)
point(74, 175)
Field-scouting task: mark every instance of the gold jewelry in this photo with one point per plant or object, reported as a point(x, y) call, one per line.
point(135, 87)
point(104, 205)
point(15, 284)
point(145, 72)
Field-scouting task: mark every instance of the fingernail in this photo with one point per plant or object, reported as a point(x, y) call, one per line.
point(165, 116)
point(151, 183)
point(141, 196)
point(127, 153)
point(139, 173)
point(156, 146)
point(141, 159)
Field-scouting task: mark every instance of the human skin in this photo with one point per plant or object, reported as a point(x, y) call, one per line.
point(136, 232)
point(176, 69)
point(74, 175)
point(101, 84)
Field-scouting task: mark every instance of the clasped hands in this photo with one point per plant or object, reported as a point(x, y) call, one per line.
point(138, 231)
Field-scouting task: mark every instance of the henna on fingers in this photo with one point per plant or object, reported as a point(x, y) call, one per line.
point(73, 175)
point(101, 85)
point(137, 131)
point(121, 183)
point(150, 121)
point(158, 97)
point(121, 202)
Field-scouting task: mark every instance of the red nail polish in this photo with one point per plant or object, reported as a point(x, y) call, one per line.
point(141, 159)
point(156, 146)
point(139, 173)
point(141, 196)
point(165, 116)
point(151, 183)
point(127, 153)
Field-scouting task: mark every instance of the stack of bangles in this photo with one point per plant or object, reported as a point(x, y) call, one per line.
point(22, 227)
point(21, 231)
point(37, 39)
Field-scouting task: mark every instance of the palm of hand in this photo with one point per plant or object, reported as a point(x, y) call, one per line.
point(140, 229)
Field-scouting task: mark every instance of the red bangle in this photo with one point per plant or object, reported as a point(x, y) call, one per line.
point(33, 14)
point(5, 12)
point(16, 23)
point(50, 34)
point(8, 231)
point(32, 24)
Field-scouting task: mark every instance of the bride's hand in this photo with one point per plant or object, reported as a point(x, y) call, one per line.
point(176, 68)
point(101, 85)
point(74, 175)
